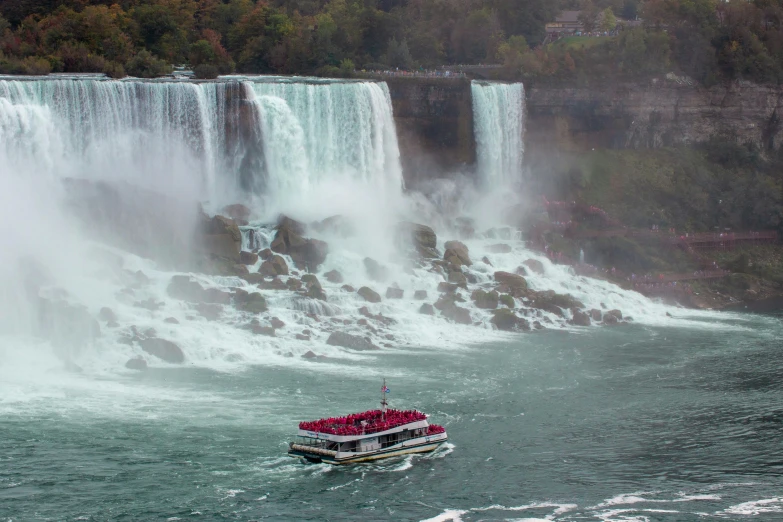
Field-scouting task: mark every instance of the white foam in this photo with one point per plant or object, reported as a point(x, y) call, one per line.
point(454, 515)
point(756, 507)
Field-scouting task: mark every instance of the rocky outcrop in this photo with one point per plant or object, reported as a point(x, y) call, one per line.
point(505, 319)
point(313, 287)
point(163, 349)
point(456, 254)
point(333, 276)
point(220, 238)
point(186, 289)
point(580, 318)
point(420, 294)
point(252, 302)
point(421, 237)
point(487, 300)
point(512, 284)
point(307, 254)
point(248, 258)
point(369, 295)
point(354, 342)
point(375, 270)
point(663, 112)
point(274, 266)
point(427, 309)
point(238, 212)
point(534, 265)
point(137, 363)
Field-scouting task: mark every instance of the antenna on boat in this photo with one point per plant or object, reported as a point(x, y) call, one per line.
point(384, 403)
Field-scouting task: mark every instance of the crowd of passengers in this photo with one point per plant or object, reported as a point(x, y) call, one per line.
point(359, 423)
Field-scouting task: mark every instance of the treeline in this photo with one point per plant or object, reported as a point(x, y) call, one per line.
point(330, 37)
point(707, 40)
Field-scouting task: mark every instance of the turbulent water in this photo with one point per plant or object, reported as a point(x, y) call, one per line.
point(499, 128)
point(672, 417)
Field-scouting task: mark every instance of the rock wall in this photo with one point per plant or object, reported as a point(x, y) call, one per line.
point(659, 113)
point(434, 119)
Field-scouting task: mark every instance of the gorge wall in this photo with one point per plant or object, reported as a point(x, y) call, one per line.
point(663, 112)
point(435, 121)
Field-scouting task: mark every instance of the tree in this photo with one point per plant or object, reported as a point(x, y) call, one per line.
point(608, 21)
point(398, 55)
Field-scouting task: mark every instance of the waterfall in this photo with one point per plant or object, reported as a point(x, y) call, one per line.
point(165, 135)
point(499, 127)
point(317, 131)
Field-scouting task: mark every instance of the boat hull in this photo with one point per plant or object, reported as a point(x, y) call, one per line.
point(423, 447)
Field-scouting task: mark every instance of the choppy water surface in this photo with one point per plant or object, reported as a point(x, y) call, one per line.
point(632, 423)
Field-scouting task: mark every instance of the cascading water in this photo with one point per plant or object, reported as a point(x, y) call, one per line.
point(499, 128)
point(165, 135)
point(317, 131)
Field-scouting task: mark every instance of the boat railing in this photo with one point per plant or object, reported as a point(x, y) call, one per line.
point(312, 449)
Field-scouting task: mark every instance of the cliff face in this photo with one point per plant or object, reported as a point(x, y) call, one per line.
point(660, 113)
point(434, 119)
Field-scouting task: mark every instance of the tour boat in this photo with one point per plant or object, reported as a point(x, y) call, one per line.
point(370, 435)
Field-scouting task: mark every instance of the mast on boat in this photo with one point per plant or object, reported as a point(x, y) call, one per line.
point(384, 403)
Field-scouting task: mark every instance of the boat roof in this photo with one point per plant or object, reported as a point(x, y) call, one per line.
point(364, 423)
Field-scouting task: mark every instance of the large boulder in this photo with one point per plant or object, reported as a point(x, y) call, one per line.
point(512, 284)
point(313, 287)
point(427, 309)
point(252, 302)
point(375, 270)
point(163, 349)
point(137, 363)
point(369, 295)
point(248, 258)
point(457, 253)
point(500, 248)
point(553, 302)
point(353, 342)
point(420, 294)
point(580, 318)
point(505, 319)
point(186, 289)
point(274, 266)
point(333, 276)
point(458, 278)
point(338, 225)
point(221, 238)
point(457, 314)
point(421, 237)
point(238, 212)
point(534, 265)
point(394, 293)
point(307, 254)
point(486, 300)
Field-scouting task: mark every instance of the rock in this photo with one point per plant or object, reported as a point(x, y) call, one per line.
point(512, 284)
point(107, 314)
point(277, 323)
point(506, 300)
point(553, 302)
point(303, 337)
point(210, 311)
point(171, 320)
point(353, 342)
point(537, 325)
point(310, 354)
point(184, 288)
point(394, 293)
point(333, 276)
point(457, 314)
point(274, 266)
point(500, 248)
point(486, 261)
point(240, 270)
point(149, 304)
point(348, 288)
point(293, 284)
point(338, 225)
point(421, 237)
point(307, 332)
point(307, 254)
point(221, 238)
point(262, 330)
point(505, 319)
point(668, 314)
point(610, 320)
point(369, 294)
point(595, 314)
point(163, 349)
point(238, 212)
point(252, 302)
point(616, 313)
point(459, 279)
point(375, 270)
point(248, 258)
point(486, 300)
point(265, 254)
point(534, 265)
point(459, 250)
point(448, 288)
point(466, 227)
point(273, 284)
point(420, 294)
point(580, 318)
point(472, 279)
point(521, 270)
point(313, 285)
point(137, 363)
